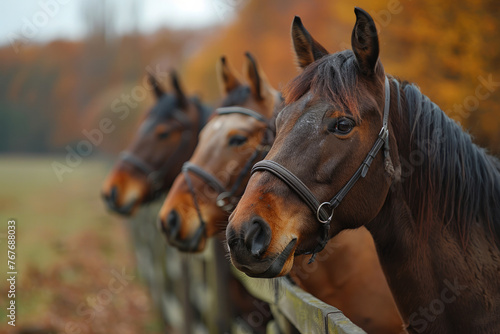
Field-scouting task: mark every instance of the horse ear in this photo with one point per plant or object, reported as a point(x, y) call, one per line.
point(179, 93)
point(159, 92)
point(228, 79)
point(306, 48)
point(259, 85)
point(364, 41)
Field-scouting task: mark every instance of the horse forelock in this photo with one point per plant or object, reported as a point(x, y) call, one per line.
point(237, 96)
point(334, 78)
point(165, 107)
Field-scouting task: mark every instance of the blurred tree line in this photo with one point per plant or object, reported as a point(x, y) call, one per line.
point(51, 93)
point(449, 48)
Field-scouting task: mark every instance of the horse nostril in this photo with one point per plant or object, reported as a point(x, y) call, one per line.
point(110, 197)
point(173, 223)
point(161, 225)
point(258, 237)
point(113, 194)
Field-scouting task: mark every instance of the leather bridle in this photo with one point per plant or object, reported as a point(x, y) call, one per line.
point(324, 210)
point(155, 176)
point(227, 198)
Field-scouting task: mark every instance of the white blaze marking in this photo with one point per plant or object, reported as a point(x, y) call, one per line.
point(217, 125)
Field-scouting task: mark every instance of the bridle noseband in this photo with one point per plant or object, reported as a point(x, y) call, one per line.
point(324, 210)
point(155, 176)
point(226, 199)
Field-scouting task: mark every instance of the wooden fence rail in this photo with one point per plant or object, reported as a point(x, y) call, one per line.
point(191, 291)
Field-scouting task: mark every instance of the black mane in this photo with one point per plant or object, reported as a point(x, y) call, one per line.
point(455, 179)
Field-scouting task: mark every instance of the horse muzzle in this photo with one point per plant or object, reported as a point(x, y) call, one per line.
point(171, 227)
point(249, 247)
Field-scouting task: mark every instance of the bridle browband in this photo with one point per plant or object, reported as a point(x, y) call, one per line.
point(155, 176)
point(226, 199)
point(324, 210)
point(242, 111)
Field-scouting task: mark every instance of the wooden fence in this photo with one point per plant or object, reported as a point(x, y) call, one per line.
point(191, 291)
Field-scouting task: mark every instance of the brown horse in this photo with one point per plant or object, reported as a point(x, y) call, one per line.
point(166, 138)
point(232, 141)
point(243, 305)
point(227, 143)
point(430, 201)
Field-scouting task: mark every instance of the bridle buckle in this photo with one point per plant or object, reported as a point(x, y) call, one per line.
point(384, 133)
point(318, 214)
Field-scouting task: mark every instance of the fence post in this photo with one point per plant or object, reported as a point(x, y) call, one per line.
point(186, 302)
point(223, 272)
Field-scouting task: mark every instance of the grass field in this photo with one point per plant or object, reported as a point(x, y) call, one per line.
point(69, 253)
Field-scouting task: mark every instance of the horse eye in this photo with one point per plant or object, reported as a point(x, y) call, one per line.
point(341, 126)
point(237, 140)
point(163, 134)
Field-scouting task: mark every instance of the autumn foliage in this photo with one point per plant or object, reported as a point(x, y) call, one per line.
point(51, 93)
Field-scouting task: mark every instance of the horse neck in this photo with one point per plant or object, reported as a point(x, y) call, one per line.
point(439, 284)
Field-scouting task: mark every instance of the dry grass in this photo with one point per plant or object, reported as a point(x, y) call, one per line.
point(67, 247)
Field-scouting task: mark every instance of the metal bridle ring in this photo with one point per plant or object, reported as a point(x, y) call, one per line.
point(319, 211)
point(223, 201)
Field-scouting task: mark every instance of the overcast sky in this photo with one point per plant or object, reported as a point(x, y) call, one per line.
point(54, 19)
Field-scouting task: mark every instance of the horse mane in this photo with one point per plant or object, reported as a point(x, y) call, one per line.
point(168, 104)
point(165, 107)
point(333, 77)
point(455, 180)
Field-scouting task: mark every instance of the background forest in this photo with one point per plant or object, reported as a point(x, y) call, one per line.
point(52, 92)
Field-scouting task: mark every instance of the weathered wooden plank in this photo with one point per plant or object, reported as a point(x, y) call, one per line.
point(261, 289)
point(239, 326)
point(338, 323)
point(224, 312)
point(304, 311)
point(273, 328)
point(185, 286)
point(172, 311)
point(307, 313)
point(281, 323)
